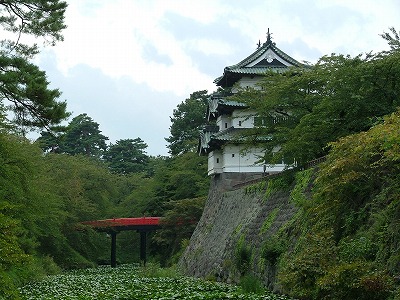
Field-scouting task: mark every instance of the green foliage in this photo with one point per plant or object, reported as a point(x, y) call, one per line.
point(300, 194)
point(281, 182)
point(139, 197)
point(24, 88)
point(269, 220)
point(152, 270)
point(357, 248)
point(255, 188)
point(12, 255)
point(179, 222)
point(39, 18)
point(392, 38)
point(273, 248)
point(348, 234)
point(81, 136)
point(355, 280)
point(182, 177)
point(187, 119)
point(127, 156)
point(242, 256)
point(131, 282)
point(41, 200)
point(301, 269)
point(27, 96)
point(251, 284)
point(362, 170)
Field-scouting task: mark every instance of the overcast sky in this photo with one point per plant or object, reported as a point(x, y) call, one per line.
point(129, 63)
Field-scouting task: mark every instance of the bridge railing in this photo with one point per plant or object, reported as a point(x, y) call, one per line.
point(123, 222)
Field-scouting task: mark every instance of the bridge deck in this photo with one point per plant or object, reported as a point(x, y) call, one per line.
point(114, 226)
point(120, 224)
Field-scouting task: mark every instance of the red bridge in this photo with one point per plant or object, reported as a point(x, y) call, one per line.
point(114, 226)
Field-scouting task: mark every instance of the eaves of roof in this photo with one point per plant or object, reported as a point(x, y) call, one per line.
point(242, 69)
point(233, 134)
point(232, 103)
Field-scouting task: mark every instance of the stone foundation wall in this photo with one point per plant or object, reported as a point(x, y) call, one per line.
point(230, 216)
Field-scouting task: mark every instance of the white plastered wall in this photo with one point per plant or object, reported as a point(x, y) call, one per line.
point(243, 119)
point(215, 162)
point(224, 122)
point(248, 82)
point(236, 160)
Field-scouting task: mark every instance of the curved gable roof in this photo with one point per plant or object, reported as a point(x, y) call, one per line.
point(267, 57)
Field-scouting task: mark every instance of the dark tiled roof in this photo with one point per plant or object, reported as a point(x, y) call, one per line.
point(262, 67)
point(230, 134)
point(233, 103)
point(217, 105)
point(233, 134)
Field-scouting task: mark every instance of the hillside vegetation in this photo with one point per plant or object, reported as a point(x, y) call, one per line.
point(347, 237)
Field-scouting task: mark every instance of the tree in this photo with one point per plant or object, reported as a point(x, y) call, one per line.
point(12, 254)
point(81, 136)
point(182, 177)
point(348, 232)
point(43, 199)
point(28, 210)
point(127, 156)
point(393, 38)
point(338, 96)
point(178, 224)
point(40, 18)
point(24, 88)
point(50, 141)
point(187, 119)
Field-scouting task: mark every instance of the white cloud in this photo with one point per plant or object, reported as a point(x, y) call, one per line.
point(209, 46)
point(113, 37)
point(137, 45)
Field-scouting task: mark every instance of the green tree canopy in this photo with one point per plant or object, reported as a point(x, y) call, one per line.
point(182, 177)
point(24, 88)
point(338, 96)
point(81, 136)
point(39, 18)
point(186, 121)
point(348, 233)
point(127, 156)
point(393, 38)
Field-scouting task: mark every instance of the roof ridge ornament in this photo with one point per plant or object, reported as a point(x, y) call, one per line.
point(269, 39)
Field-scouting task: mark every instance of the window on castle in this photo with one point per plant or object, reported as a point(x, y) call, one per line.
point(240, 123)
point(233, 154)
point(226, 125)
point(217, 160)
